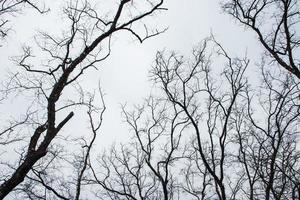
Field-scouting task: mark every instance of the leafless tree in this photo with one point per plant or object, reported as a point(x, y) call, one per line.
point(207, 132)
point(268, 140)
point(63, 61)
point(264, 145)
point(62, 175)
point(145, 168)
point(276, 23)
point(187, 84)
point(237, 142)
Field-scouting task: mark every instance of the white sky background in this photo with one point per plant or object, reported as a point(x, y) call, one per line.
point(124, 75)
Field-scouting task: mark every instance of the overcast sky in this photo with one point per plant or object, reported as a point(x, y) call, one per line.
point(124, 75)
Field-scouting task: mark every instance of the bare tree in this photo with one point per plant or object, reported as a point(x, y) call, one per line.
point(62, 175)
point(144, 169)
point(237, 142)
point(65, 59)
point(182, 84)
point(239, 150)
point(267, 149)
point(206, 133)
point(276, 23)
point(264, 146)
